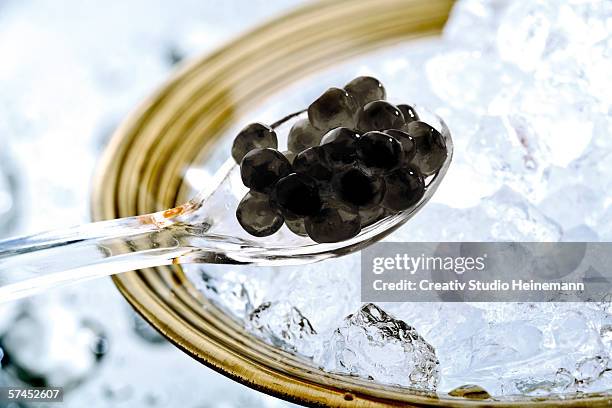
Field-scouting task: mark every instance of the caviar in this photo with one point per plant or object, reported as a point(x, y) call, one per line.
point(297, 226)
point(372, 215)
point(289, 155)
point(333, 224)
point(407, 141)
point(354, 161)
point(405, 188)
point(365, 89)
point(253, 136)
point(260, 169)
point(257, 216)
point(340, 146)
point(302, 136)
point(313, 162)
point(358, 188)
point(379, 115)
point(409, 113)
point(333, 109)
point(297, 195)
point(380, 152)
point(430, 147)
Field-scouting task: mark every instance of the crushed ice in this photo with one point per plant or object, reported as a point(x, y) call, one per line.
point(526, 89)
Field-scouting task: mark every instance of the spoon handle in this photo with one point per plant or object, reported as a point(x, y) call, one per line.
point(38, 262)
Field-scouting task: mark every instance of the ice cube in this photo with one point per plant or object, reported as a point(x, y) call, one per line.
point(581, 206)
point(556, 383)
point(500, 151)
point(523, 32)
point(472, 22)
point(500, 344)
point(504, 216)
point(590, 369)
point(372, 344)
point(434, 320)
point(577, 51)
point(592, 171)
point(558, 122)
point(512, 218)
point(451, 77)
point(572, 333)
point(230, 289)
point(497, 355)
point(283, 325)
point(297, 284)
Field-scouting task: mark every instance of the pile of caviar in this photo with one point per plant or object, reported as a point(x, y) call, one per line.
point(355, 160)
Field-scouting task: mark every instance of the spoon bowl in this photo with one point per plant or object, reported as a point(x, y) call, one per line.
point(214, 209)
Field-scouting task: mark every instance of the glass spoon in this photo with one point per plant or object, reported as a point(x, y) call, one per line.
point(203, 230)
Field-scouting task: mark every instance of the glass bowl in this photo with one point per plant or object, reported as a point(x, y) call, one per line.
point(181, 126)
